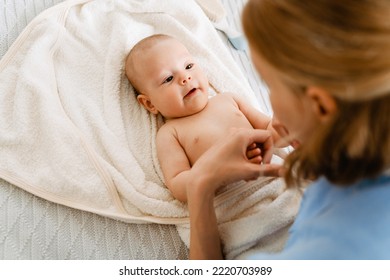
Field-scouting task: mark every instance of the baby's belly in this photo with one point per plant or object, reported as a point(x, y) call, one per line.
point(201, 139)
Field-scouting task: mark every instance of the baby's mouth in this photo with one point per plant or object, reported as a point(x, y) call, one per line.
point(190, 93)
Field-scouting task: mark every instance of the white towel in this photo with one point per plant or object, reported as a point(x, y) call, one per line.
point(253, 214)
point(71, 130)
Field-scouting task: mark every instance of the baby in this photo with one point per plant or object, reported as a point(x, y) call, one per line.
point(168, 81)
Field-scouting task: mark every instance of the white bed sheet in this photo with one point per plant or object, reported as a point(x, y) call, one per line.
point(33, 228)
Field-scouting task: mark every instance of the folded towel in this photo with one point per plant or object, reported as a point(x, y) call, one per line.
point(253, 214)
point(72, 131)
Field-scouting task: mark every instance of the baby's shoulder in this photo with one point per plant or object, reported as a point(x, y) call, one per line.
point(166, 129)
point(230, 98)
point(226, 96)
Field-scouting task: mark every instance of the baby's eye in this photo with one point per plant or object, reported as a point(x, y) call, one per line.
point(167, 80)
point(189, 66)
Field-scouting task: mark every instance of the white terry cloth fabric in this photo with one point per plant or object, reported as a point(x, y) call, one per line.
point(253, 214)
point(72, 131)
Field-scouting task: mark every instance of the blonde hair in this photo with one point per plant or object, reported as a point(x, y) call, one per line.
point(343, 47)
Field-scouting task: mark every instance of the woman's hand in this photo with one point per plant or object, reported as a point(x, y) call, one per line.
point(226, 162)
point(284, 137)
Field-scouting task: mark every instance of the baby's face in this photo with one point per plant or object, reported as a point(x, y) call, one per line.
point(175, 84)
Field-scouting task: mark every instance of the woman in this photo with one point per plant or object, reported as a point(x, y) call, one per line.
point(327, 65)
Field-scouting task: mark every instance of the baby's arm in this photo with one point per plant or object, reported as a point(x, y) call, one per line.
point(174, 162)
point(257, 119)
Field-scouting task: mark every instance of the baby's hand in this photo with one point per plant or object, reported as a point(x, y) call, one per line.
point(253, 153)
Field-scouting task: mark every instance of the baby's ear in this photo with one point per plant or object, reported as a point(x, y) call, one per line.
point(145, 101)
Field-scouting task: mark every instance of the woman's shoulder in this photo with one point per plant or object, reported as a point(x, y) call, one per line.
point(344, 222)
point(340, 223)
point(363, 201)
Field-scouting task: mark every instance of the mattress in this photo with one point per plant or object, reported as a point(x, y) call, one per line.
point(33, 228)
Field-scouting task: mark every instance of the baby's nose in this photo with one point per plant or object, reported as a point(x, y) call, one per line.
point(186, 79)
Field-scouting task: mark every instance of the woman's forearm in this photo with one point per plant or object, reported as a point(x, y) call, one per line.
point(204, 236)
point(224, 163)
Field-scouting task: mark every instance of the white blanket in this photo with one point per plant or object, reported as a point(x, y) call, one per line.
point(72, 132)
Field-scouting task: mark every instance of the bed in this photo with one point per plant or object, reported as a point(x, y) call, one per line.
point(34, 228)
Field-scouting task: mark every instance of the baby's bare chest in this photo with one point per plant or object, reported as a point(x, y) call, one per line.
point(199, 132)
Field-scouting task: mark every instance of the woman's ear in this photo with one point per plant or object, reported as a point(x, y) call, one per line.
point(323, 103)
point(145, 101)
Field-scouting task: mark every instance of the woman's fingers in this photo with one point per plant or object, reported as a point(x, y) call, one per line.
point(272, 170)
point(227, 161)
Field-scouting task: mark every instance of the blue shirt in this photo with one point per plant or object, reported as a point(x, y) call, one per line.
point(340, 223)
